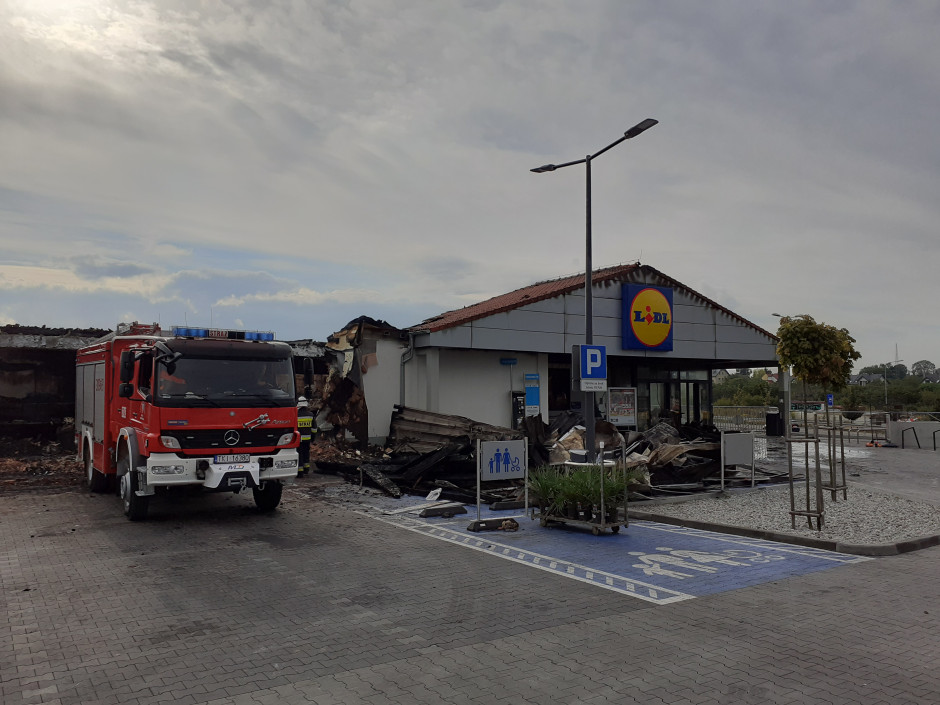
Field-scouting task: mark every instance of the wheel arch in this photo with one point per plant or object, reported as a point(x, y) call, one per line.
point(86, 444)
point(127, 439)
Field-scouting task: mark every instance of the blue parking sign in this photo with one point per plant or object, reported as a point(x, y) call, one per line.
point(593, 361)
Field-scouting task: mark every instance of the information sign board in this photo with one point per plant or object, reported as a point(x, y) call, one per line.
point(621, 406)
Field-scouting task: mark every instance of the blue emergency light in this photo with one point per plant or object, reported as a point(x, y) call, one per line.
point(222, 334)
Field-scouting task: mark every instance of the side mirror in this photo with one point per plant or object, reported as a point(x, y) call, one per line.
point(125, 390)
point(127, 367)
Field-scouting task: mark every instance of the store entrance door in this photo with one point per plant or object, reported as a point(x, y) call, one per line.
point(693, 399)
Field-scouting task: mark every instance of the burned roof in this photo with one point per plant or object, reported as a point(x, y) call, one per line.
point(16, 329)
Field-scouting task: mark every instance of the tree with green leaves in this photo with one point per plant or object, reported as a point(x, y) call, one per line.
point(889, 371)
point(922, 368)
point(818, 353)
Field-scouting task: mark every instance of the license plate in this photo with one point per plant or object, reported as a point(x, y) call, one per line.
point(223, 459)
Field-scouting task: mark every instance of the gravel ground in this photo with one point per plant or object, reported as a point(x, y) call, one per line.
point(868, 517)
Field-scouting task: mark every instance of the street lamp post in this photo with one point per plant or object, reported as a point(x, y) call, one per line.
point(785, 381)
point(886, 384)
point(588, 303)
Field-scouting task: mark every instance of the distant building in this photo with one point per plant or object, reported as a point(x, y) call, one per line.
point(864, 380)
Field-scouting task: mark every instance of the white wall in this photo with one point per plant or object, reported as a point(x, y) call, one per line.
point(381, 384)
point(472, 383)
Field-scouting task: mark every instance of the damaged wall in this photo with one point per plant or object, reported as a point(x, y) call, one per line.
point(37, 378)
point(356, 377)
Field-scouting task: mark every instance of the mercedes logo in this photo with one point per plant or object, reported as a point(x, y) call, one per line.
point(230, 438)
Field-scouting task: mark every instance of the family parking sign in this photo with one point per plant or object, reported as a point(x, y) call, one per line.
point(502, 460)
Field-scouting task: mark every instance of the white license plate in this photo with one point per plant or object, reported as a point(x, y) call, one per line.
point(223, 459)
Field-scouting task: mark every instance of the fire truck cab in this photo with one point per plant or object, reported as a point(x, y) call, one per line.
point(206, 407)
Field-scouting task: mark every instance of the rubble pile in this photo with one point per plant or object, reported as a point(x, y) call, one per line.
point(428, 451)
point(425, 451)
point(34, 463)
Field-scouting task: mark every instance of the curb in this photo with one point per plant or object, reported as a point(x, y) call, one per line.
point(885, 549)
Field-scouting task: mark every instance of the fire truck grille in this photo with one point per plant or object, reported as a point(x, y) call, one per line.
point(226, 438)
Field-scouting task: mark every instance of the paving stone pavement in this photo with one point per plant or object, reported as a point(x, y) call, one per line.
point(210, 602)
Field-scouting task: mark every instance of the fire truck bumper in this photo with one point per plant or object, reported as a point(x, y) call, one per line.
point(168, 469)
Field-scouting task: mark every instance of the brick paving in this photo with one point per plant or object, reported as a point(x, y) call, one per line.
point(215, 603)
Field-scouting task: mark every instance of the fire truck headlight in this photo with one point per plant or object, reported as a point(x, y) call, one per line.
point(286, 439)
point(282, 464)
point(166, 469)
point(170, 442)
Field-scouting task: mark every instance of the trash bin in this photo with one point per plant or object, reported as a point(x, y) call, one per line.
point(774, 421)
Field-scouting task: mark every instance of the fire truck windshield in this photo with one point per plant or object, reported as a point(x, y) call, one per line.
point(203, 381)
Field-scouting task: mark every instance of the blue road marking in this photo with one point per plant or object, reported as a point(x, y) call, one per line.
point(568, 569)
point(658, 563)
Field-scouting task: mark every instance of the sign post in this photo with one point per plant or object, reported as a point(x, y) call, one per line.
point(591, 373)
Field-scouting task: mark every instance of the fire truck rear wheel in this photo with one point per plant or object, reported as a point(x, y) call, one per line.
point(268, 496)
point(97, 481)
point(134, 507)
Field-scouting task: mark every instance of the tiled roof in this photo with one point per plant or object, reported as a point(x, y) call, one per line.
point(550, 289)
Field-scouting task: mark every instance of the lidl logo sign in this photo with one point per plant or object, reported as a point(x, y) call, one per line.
point(647, 317)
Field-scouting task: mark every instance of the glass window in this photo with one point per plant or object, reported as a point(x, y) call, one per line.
point(200, 381)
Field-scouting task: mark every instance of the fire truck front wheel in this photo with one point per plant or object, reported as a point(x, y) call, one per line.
point(268, 496)
point(135, 507)
point(97, 481)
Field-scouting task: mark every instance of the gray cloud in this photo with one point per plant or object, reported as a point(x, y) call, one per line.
point(245, 153)
point(94, 268)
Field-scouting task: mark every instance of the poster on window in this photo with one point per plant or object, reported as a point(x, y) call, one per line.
point(621, 406)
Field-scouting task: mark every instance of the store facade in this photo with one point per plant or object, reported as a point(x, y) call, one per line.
point(510, 356)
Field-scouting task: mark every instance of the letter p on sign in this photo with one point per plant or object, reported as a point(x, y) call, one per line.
point(593, 362)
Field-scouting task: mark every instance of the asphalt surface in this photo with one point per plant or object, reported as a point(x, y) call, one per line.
point(329, 600)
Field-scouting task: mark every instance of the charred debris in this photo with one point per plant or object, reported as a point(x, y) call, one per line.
point(428, 451)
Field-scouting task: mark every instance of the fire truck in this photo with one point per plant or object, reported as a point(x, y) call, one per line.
point(157, 410)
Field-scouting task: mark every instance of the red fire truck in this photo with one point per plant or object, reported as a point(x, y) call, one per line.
point(159, 409)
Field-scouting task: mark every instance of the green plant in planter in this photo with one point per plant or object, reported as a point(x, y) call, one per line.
point(546, 484)
point(584, 489)
point(614, 493)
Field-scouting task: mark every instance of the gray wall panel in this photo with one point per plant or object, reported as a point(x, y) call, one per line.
point(459, 337)
point(692, 314)
point(740, 351)
point(739, 334)
point(522, 319)
point(693, 331)
point(554, 305)
point(496, 339)
point(695, 349)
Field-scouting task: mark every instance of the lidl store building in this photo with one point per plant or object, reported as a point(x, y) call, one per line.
point(511, 356)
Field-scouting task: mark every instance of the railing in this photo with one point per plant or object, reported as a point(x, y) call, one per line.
point(741, 418)
point(869, 425)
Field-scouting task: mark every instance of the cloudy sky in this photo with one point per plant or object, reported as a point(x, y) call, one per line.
point(293, 165)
